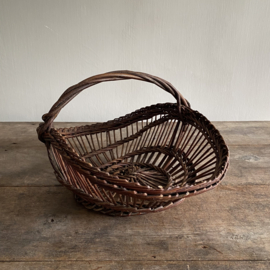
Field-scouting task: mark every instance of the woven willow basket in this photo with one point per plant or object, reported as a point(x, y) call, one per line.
point(147, 161)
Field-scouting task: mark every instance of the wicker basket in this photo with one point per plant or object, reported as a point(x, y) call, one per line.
point(144, 162)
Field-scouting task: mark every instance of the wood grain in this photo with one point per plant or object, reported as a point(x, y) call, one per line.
point(28, 165)
point(136, 265)
point(229, 223)
point(42, 227)
point(239, 133)
point(249, 165)
point(244, 133)
point(25, 162)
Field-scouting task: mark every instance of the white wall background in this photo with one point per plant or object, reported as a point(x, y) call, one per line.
point(215, 52)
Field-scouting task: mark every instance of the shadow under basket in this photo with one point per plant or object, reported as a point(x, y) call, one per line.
point(147, 161)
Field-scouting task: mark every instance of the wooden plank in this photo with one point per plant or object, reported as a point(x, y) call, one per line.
point(135, 265)
point(228, 223)
point(27, 164)
point(235, 133)
point(24, 160)
point(244, 133)
point(249, 165)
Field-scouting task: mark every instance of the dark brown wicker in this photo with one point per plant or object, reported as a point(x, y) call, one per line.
point(146, 161)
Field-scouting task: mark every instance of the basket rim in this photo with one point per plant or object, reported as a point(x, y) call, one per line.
point(86, 165)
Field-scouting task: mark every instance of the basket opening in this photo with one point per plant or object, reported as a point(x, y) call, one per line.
point(157, 150)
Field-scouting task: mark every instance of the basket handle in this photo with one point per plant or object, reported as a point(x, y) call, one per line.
point(74, 90)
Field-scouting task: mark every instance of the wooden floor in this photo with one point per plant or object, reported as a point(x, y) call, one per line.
point(42, 227)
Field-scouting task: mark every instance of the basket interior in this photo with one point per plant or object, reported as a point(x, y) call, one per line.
point(155, 149)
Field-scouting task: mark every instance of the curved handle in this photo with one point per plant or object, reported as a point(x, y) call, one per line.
point(74, 90)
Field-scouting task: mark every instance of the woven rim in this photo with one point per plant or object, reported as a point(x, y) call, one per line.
point(55, 138)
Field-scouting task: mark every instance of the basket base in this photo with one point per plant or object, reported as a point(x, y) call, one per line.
point(124, 213)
